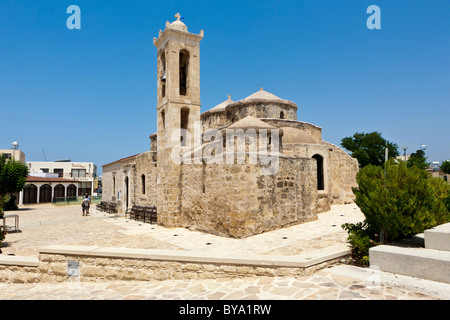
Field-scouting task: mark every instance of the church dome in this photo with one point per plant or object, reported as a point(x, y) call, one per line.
point(221, 106)
point(294, 135)
point(263, 96)
point(250, 122)
point(178, 24)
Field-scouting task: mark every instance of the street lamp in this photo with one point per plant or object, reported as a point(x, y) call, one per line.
point(423, 146)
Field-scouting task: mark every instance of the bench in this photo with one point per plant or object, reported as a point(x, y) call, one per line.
point(107, 206)
point(141, 213)
point(16, 221)
point(102, 206)
point(132, 212)
point(111, 207)
point(150, 214)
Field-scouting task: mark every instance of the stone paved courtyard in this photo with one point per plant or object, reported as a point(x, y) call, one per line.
point(43, 225)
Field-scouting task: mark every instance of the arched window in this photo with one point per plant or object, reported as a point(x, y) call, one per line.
point(71, 190)
point(45, 193)
point(58, 191)
point(320, 179)
point(163, 74)
point(30, 194)
point(281, 115)
point(163, 118)
point(184, 71)
point(184, 122)
point(126, 192)
point(143, 183)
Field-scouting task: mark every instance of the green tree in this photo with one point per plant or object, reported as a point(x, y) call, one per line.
point(13, 175)
point(418, 160)
point(445, 166)
point(369, 148)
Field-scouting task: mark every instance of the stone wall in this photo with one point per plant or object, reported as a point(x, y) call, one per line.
point(110, 269)
point(145, 168)
point(342, 172)
point(314, 131)
point(153, 142)
point(214, 120)
point(239, 110)
point(132, 264)
point(109, 191)
point(260, 109)
point(168, 190)
point(237, 200)
point(308, 151)
point(114, 175)
point(20, 274)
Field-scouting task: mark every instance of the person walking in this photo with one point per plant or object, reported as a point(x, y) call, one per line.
point(86, 204)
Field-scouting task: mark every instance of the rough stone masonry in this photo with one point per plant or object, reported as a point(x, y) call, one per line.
point(236, 199)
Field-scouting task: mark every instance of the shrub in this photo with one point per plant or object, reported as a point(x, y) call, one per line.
point(11, 204)
point(3, 233)
point(361, 239)
point(399, 201)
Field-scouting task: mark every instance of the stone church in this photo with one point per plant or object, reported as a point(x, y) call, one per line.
point(241, 168)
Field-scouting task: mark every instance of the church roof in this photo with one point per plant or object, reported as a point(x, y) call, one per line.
point(259, 96)
point(263, 96)
point(221, 106)
point(250, 122)
point(176, 28)
point(120, 160)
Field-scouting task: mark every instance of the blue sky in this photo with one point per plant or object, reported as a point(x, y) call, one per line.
point(90, 94)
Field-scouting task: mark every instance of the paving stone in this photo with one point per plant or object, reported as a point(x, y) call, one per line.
point(43, 225)
point(348, 294)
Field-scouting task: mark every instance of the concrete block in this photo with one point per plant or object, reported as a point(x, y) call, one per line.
point(24, 261)
point(438, 238)
point(415, 262)
point(68, 250)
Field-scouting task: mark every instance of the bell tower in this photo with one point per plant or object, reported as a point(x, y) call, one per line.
point(178, 79)
point(178, 108)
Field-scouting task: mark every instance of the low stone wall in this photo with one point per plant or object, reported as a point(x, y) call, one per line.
point(126, 264)
point(111, 269)
point(19, 269)
point(20, 274)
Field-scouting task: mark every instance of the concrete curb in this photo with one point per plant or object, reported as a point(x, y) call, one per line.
point(300, 261)
point(24, 261)
point(374, 277)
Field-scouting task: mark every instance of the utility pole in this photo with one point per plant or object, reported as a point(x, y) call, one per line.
point(404, 148)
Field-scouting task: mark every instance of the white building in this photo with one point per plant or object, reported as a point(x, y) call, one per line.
point(42, 189)
point(15, 154)
point(82, 172)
